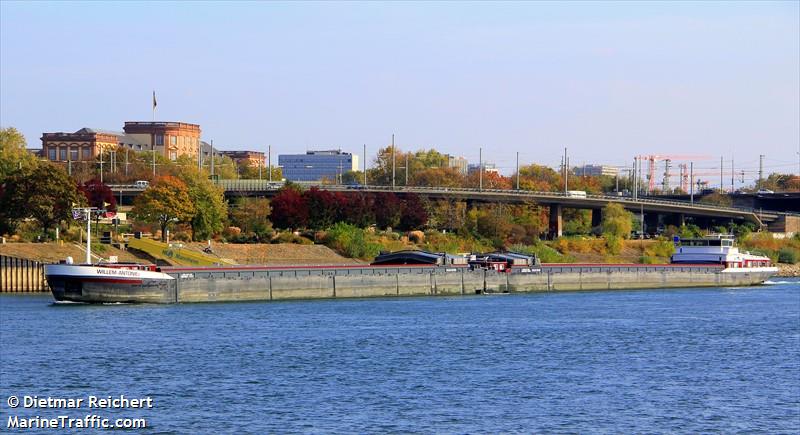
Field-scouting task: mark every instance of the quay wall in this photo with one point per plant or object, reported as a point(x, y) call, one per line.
point(265, 284)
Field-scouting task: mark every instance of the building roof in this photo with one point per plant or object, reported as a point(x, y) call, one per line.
point(100, 131)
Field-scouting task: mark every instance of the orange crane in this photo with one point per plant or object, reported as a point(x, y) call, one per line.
point(652, 161)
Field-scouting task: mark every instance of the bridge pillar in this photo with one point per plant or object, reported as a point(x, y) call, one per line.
point(597, 217)
point(556, 221)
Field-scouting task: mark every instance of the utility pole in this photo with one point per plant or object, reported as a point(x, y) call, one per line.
point(691, 182)
point(517, 170)
point(733, 176)
point(480, 168)
point(721, 185)
point(634, 187)
point(566, 165)
point(154, 152)
point(760, 171)
point(101, 167)
point(126, 163)
point(269, 161)
point(365, 164)
point(406, 169)
point(212, 159)
point(617, 189)
point(393, 162)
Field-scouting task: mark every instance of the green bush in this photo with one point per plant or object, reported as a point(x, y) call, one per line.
point(613, 243)
point(350, 241)
point(788, 255)
point(545, 253)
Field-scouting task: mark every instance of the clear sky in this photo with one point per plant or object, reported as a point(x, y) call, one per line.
point(607, 80)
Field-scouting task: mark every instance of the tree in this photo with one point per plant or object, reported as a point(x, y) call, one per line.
point(98, 195)
point(387, 208)
point(289, 209)
point(43, 192)
point(414, 214)
point(13, 153)
point(358, 209)
point(210, 208)
point(252, 216)
point(167, 200)
point(617, 221)
point(322, 207)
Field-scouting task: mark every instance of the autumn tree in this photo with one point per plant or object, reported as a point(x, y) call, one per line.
point(98, 195)
point(322, 207)
point(413, 213)
point(13, 154)
point(289, 209)
point(210, 209)
point(539, 178)
point(617, 221)
point(358, 209)
point(167, 200)
point(251, 215)
point(43, 192)
point(388, 209)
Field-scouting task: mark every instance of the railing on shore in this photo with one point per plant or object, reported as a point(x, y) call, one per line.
point(21, 275)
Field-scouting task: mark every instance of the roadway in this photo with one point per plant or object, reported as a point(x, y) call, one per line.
point(676, 209)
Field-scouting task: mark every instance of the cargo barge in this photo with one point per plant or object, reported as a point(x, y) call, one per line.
point(697, 263)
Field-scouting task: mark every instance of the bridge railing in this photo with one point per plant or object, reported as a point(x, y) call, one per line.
point(250, 185)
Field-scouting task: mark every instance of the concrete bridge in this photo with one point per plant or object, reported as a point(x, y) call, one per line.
point(656, 211)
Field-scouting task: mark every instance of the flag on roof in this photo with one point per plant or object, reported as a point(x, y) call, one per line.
point(154, 100)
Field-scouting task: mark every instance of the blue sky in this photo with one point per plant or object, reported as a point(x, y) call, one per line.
point(607, 80)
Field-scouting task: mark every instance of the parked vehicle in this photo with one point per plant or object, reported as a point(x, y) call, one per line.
point(576, 194)
point(141, 184)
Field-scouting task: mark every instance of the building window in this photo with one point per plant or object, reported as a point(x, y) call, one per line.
point(51, 153)
point(87, 152)
point(173, 155)
point(73, 154)
point(159, 139)
point(173, 140)
point(138, 147)
point(62, 154)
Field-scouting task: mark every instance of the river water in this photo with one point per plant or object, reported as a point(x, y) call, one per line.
point(694, 360)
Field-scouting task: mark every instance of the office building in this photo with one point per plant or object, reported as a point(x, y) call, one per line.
point(317, 165)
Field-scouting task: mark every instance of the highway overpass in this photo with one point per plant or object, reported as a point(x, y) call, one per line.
point(656, 211)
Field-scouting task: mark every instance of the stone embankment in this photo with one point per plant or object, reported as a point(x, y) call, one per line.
point(789, 270)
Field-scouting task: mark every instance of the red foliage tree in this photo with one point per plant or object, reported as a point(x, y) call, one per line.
point(322, 206)
point(97, 194)
point(387, 208)
point(289, 209)
point(357, 209)
point(414, 215)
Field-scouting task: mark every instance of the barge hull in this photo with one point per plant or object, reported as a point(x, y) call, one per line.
point(264, 284)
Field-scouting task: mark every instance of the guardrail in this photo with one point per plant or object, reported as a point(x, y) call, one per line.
point(266, 185)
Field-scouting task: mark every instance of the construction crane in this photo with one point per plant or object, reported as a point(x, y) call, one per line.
point(652, 161)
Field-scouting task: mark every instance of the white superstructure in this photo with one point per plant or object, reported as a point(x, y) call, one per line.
point(720, 249)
